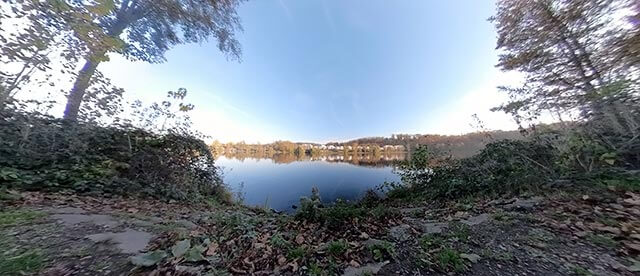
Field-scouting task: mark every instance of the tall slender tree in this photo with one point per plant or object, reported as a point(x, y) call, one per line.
point(144, 30)
point(564, 50)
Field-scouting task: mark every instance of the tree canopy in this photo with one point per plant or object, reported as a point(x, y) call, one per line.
point(138, 29)
point(569, 52)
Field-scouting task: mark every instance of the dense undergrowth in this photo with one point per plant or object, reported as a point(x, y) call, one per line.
point(42, 153)
point(585, 155)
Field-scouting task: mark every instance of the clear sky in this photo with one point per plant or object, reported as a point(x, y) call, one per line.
point(334, 70)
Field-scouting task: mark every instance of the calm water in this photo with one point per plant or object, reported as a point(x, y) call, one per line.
point(279, 185)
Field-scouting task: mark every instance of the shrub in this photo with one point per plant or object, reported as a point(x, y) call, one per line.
point(310, 207)
point(38, 152)
point(337, 215)
point(501, 167)
point(341, 214)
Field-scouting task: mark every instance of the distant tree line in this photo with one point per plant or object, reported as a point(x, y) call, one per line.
point(456, 145)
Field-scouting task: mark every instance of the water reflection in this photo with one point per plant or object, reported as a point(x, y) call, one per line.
point(370, 160)
point(278, 181)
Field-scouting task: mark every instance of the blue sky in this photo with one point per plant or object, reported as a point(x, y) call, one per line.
point(334, 70)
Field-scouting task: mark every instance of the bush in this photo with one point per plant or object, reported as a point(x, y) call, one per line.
point(309, 209)
point(501, 167)
point(337, 215)
point(594, 152)
point(340, 213)
point(38, 152)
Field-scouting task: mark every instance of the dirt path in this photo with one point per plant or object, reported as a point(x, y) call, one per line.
point(68, 235)
point(520, 237)
point(71, 235)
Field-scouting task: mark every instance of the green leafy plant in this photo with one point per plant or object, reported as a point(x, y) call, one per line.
point(29, 262)
point(297, 252)
point(337, 248)
point(279, 242)
point(18, 216)
point(431, 241)
point(449, 260)
point(381, 250)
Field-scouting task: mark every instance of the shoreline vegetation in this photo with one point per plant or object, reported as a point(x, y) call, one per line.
point(114, 191)
point(458, 146)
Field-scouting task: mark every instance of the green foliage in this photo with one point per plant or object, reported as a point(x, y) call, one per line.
point(383, 212)
point(449, 260)
point(341, 213)
point(278, 241)
point(580, 271)
point(148, 259)
point(297, 252)
point(38, 152)
point(503, 167)
point(337, 248)
point(29, 262)
point(624, 182)
point(335, 216)
point(431, 241)
point(603, 240)
point(459, 231)
point(181, 248)
point(236, 224)
point(381, 250)
point(417, 168)
point(18, 216)
point(316, 270)
point(309, 208)
point(551, 44)
point(370, 199)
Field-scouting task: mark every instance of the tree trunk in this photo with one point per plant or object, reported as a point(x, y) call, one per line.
point(74, 99)
point(4, 97)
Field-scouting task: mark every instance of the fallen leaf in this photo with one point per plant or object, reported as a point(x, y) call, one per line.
point(148, 259)
point(211, 250)
point(194, 254)
point(635, 267)
point(294, 266)
point(471, 257)
point(633, 246)
point(612, 230)
point(282, 260)
point(180, 248)
point(581, 234)
point(299, 239)
point(354, 263)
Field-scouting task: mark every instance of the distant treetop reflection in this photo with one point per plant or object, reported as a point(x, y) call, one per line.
point(371, 151)
point(368, 160)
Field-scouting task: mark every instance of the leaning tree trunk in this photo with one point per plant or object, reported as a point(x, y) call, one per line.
point(74, 99)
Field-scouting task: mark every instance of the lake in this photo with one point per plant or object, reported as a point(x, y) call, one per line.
point(279, 182)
